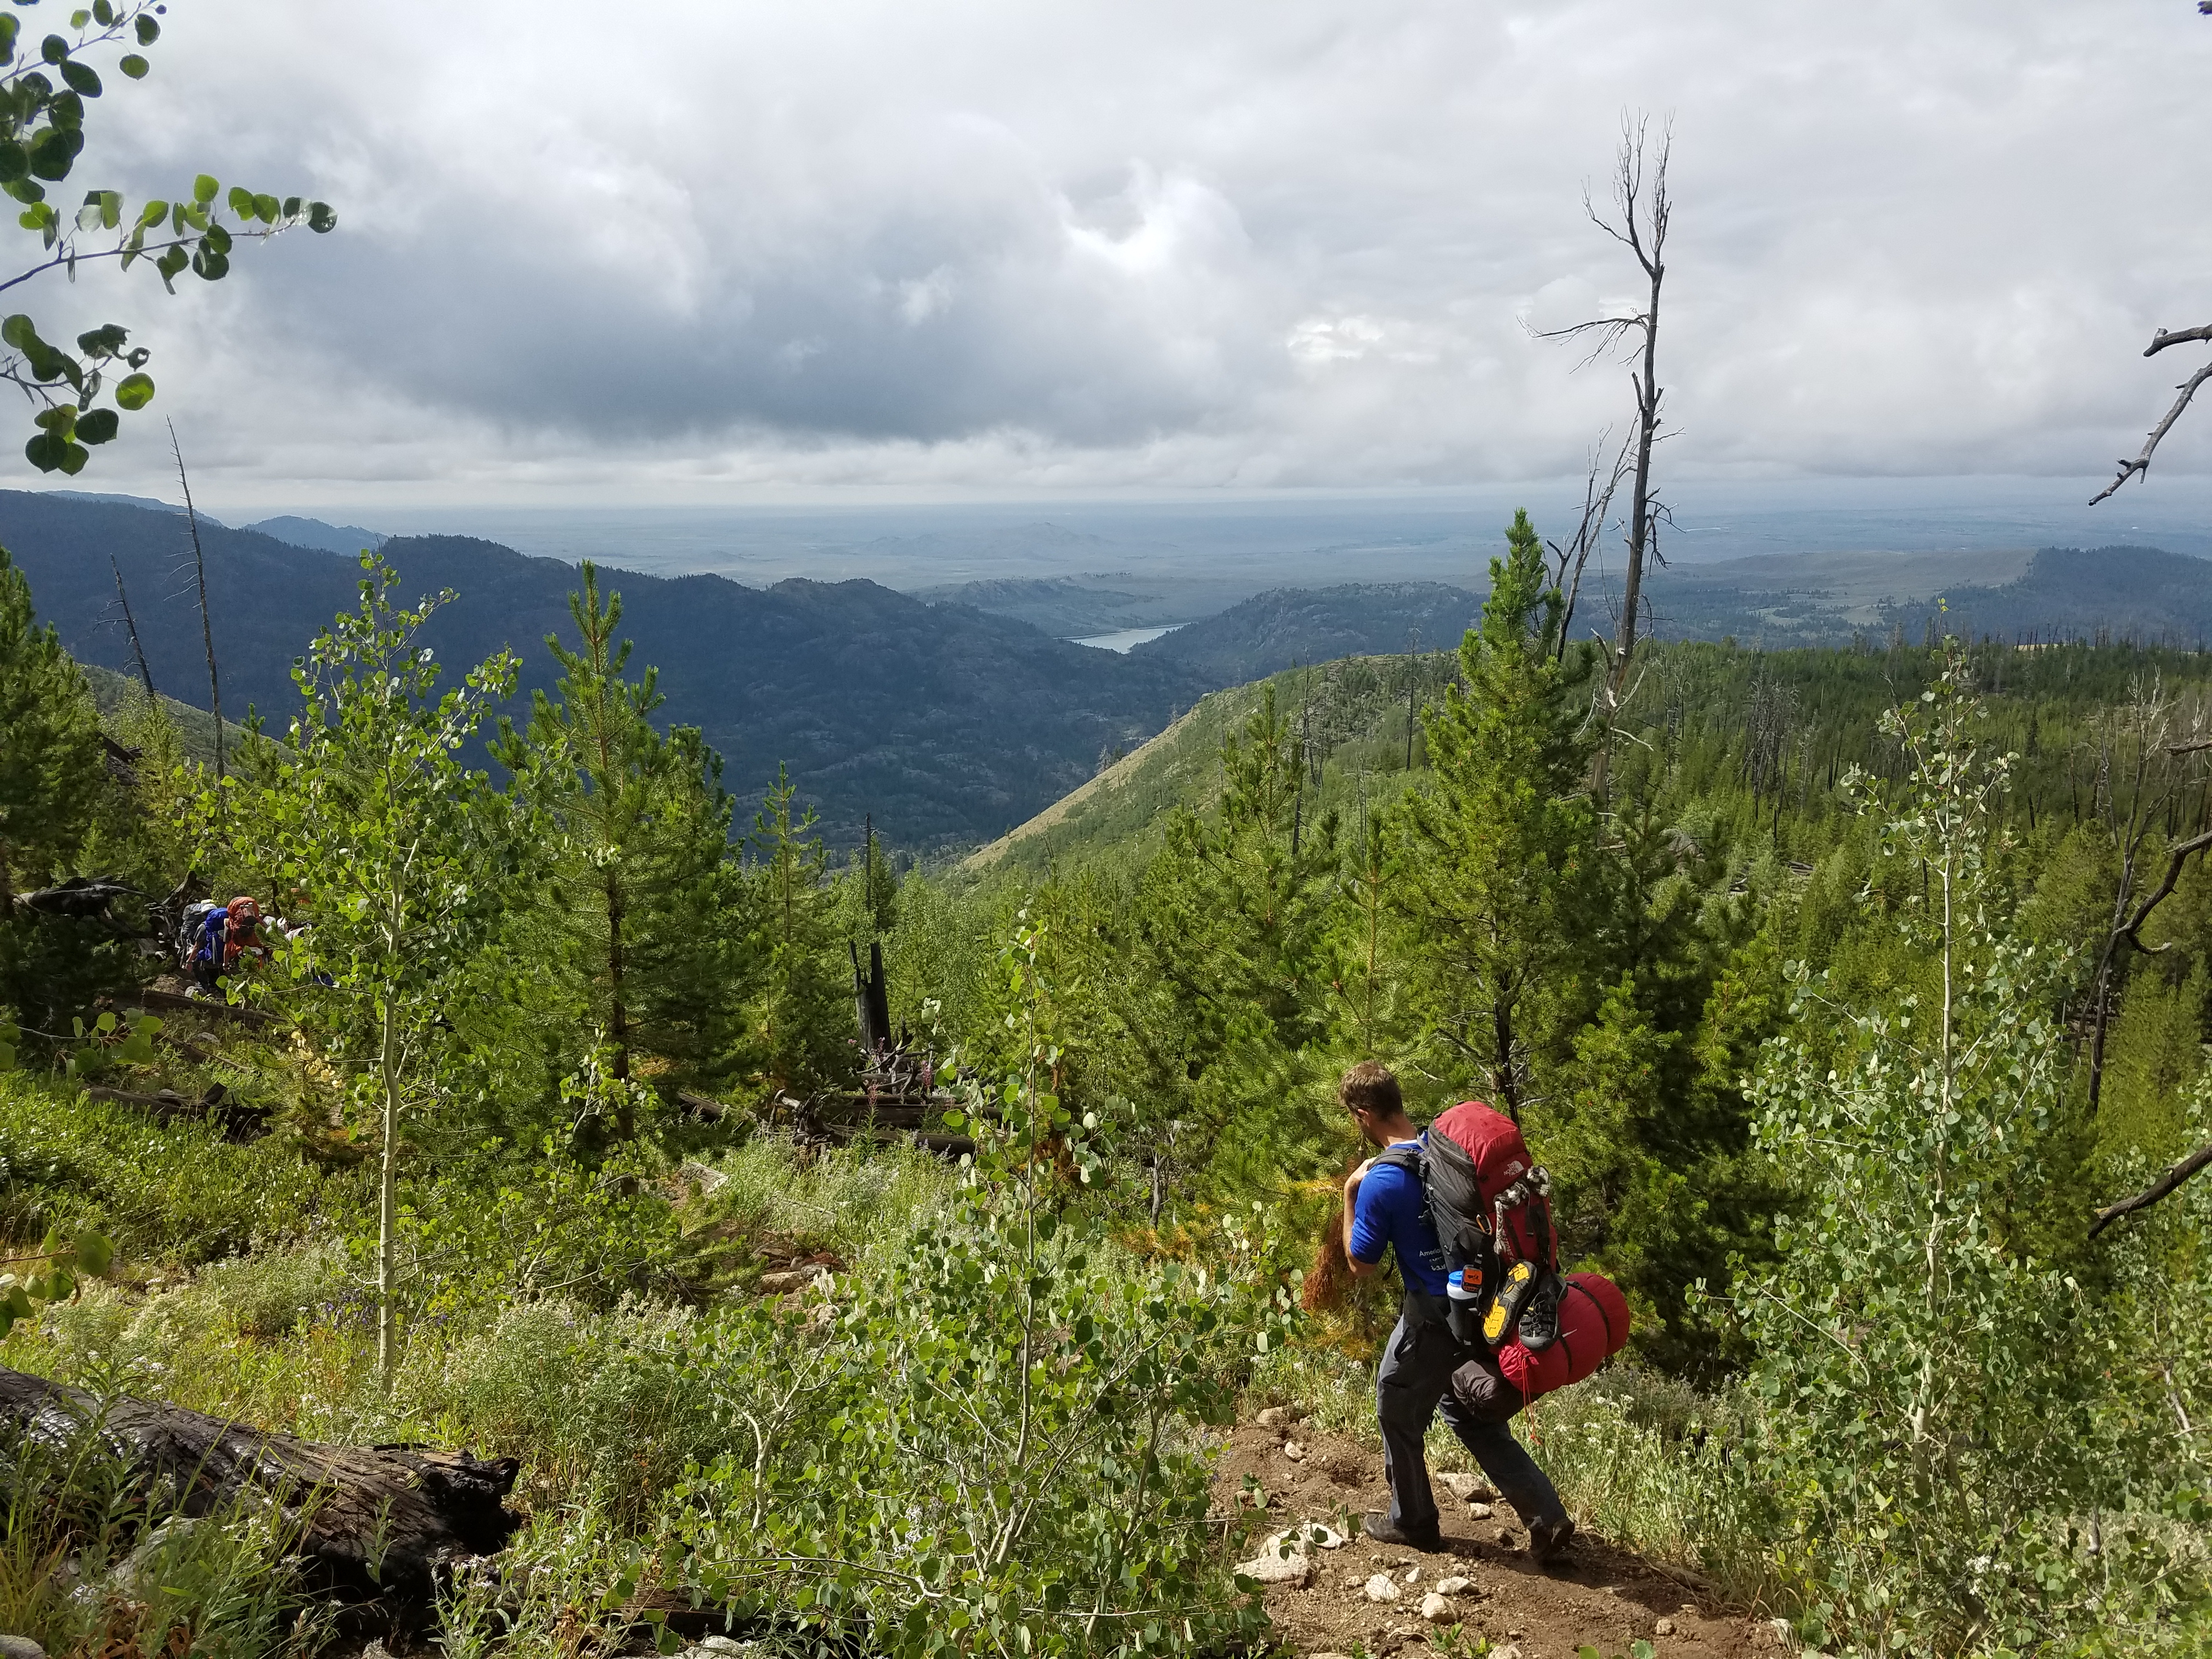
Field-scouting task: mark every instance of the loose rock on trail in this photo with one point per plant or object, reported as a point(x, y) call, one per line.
point(1361, 1595)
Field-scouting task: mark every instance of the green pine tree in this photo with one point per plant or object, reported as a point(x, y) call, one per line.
point(1504, 888)
point(51, 768)
point(640, 832)
point(800, 1023)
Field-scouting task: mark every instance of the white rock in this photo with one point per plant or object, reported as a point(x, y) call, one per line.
point(1277, 1417)
point(1467, 1488)
point(1294, 1451)
point(1436, 1608)
point(1413, 1576)
point(19, 1647)
point(1664, 1627)
point(1510, 1650)
point(1381, 1588)
point(1458, 1584)
point(1328, 1655)
point(1272, 1566)
point(1286, 1558)
point(1480, 1511)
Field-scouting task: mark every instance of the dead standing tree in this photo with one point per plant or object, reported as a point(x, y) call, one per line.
point(2148, 765)
point(1600, 484)
point(1641, 210)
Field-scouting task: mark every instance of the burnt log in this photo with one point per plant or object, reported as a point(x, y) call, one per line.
point(150, 998)
point(240, 1120)
point(378, 1524)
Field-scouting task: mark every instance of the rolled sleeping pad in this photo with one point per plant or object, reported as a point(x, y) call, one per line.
point(1594, 1324)
point(1593, 1328)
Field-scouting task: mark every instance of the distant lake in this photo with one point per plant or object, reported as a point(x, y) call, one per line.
point(1126, 638)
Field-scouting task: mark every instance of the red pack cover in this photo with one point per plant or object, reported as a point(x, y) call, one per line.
point(1593, 1326)
point(1501, 1157)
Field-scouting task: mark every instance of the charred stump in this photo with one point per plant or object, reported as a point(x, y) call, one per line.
point(372, 1523)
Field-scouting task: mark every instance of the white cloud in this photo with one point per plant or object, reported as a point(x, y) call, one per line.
point(1095, 246)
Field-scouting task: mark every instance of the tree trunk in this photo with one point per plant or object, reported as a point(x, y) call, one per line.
point(387, 1195)
point(1501, 1021)
point(617, 1014)
point(375, 1523)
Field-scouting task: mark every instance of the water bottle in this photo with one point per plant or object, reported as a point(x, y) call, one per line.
point(1462, 1313)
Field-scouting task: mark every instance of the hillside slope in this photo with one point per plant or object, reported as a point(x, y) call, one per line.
point(948, 725)
point(1281, 629)
point(1352, 712)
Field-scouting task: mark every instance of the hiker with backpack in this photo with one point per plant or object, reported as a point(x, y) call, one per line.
point(1387, 1206)
point(218, 936)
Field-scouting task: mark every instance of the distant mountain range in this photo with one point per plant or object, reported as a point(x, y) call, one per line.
point(949, 721)
point(2146, 594)
point(1068, 607)
point(1270, 632)
point(2143, 594)
point(348, 539)
point(285, 528)
point(946, 723)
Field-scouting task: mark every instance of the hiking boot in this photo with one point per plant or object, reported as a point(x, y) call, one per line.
point(1379, 1527)
point(1539, 1314)
point(1505, 1306)
point(1548, 1540)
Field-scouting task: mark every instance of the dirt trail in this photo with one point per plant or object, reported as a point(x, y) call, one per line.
point(1601, 1595)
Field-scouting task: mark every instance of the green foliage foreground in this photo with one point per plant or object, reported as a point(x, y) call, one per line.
point(1810, 1064)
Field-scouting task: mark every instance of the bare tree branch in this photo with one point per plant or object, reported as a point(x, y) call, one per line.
point(1597, 508)
point(2181, 853)
point(2166, 337)
point(2141, 465)
point(2159, 1188)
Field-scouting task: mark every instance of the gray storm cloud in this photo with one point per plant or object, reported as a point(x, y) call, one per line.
point(1141, 244)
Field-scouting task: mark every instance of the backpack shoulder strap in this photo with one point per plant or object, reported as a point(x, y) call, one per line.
point(1401, 1157)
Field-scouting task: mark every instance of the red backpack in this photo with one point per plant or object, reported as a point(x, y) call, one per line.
point(1489, 1202)
point(1485, 1190)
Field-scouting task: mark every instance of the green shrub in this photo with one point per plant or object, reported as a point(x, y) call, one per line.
point(179, 1192)
point(1932, 1411)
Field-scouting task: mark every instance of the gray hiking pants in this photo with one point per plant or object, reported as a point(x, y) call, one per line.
point(1412, 1383)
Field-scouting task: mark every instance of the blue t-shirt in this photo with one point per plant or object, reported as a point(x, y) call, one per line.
point(1390, 1210)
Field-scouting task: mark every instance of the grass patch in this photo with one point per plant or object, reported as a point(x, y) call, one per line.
point(178, 1195)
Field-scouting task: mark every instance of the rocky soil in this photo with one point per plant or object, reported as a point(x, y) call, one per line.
point(1348, 1592)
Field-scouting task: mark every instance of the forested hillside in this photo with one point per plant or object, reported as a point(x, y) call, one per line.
point(947, 724)
point(1287, 626)
point(1835, 1014)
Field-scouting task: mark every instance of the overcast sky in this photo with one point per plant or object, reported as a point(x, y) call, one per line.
point(729, 251)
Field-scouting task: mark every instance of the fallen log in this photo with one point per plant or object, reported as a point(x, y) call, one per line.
point(372, 1523)
point(253, 1018)
point(239, 1122)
